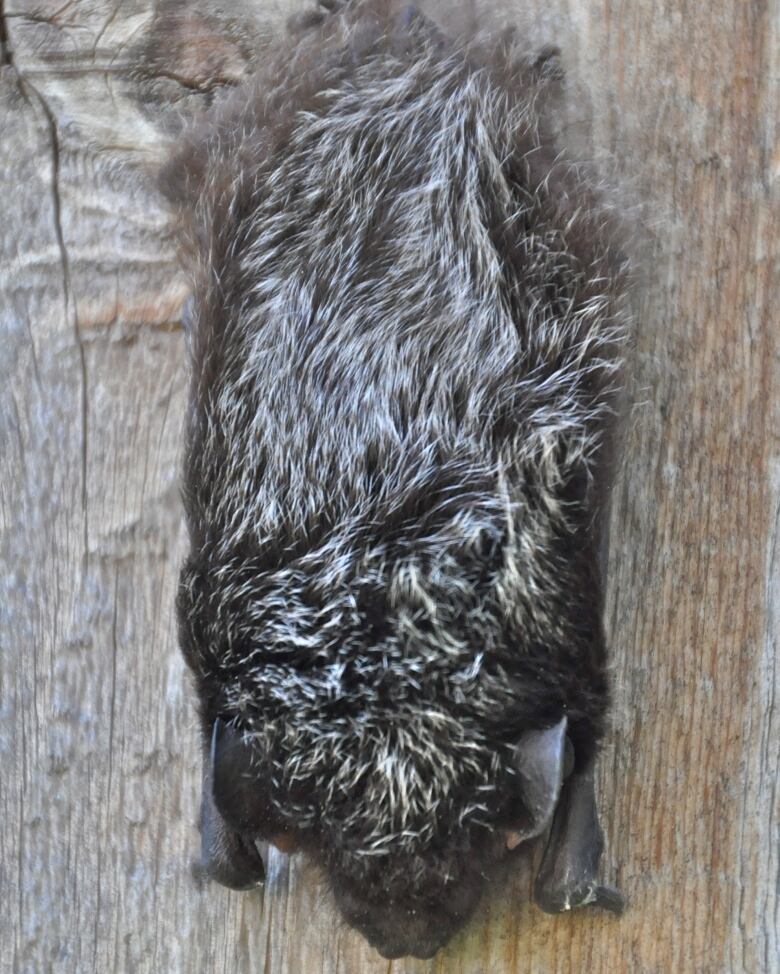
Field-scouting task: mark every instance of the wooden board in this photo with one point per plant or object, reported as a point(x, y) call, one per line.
point(98, 754)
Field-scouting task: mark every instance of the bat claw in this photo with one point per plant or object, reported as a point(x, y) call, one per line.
point(611, 899)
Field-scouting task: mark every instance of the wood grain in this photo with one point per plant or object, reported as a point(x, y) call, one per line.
point(98, 755)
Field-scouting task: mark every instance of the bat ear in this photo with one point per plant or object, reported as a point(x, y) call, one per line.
point(540, 763)
point(233, 776)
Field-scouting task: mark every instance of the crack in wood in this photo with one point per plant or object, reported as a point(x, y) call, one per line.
point(6, 54)
point(69, 299)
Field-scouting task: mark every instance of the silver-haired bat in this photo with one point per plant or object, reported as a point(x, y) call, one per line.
point(405, 334)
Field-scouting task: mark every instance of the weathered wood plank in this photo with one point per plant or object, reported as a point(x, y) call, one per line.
point(98, 788)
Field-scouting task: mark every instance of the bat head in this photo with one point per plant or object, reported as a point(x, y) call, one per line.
point(404, 902)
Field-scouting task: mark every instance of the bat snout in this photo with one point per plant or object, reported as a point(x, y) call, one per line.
point(403, 929)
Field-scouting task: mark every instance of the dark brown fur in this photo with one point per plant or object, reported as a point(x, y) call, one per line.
point(405, 356)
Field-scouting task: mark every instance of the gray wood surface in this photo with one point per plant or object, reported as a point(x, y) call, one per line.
point(98, 752)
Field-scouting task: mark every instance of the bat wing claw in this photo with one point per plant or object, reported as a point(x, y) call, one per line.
point(611, 899)
point(567, 878)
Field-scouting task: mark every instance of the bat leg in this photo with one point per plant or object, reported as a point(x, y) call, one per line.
point(567, 877)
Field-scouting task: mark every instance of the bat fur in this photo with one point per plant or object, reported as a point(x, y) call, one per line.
point(406, 339)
